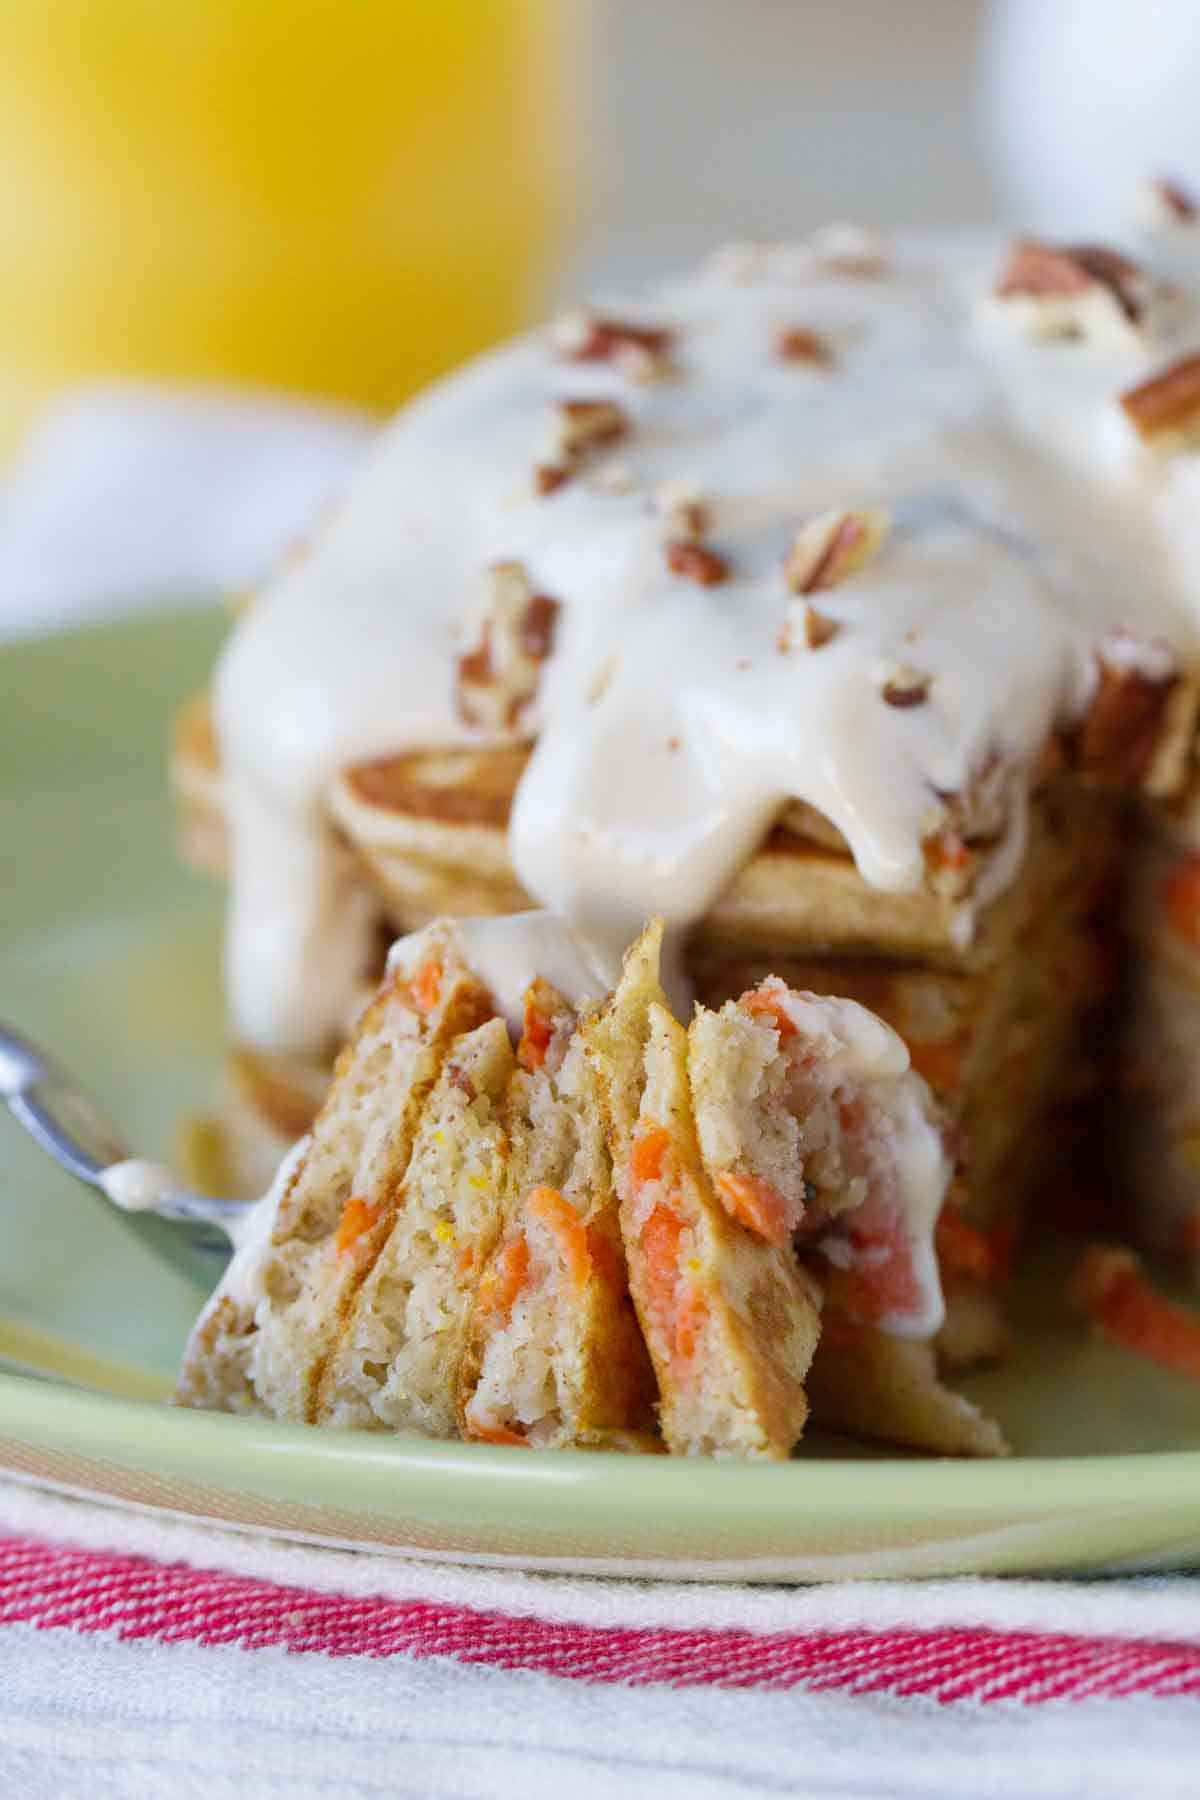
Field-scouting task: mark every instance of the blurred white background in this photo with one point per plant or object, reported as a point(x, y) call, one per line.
point(710, 119)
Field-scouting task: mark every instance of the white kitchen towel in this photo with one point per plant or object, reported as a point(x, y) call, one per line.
point(130, 494)
point(97, 1719)
point(83, 1712)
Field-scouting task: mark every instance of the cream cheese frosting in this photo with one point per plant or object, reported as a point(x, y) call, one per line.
point(1029, 524)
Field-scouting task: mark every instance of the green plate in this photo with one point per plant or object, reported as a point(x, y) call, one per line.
point(109, 958)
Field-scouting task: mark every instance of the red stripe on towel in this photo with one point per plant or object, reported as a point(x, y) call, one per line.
point(52, 1587)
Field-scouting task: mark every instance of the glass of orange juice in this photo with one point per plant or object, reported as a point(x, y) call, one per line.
point(338, 197)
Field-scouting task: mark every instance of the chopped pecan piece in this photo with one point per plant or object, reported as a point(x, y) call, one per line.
point(1062, 282)
point(587, 424)
point(697, 562)
point(683, 509)
point(579, 427)
point(905, 686)
point(1166, 409)
point(1118, 738)
point(805, 625)
point(498, 677)
point(797, 344)
point(834, 546)
point(549, 477)
point(640, 350)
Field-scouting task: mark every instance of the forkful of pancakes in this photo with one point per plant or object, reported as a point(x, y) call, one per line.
point(530, 1217)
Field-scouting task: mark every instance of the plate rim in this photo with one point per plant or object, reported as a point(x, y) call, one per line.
point(1024, 1484)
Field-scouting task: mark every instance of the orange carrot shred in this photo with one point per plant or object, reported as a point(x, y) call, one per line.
point(549, 1208)
point(941, 1063)
point(680, 1313)
point(504, 1277)
point(536, 1033)
point(690, 1320)
point(358, 1216)
point(761, 1003)
point(1180, 897)
point(486, 1433)
point(660, 1242)
point(963, 1249)
point(1109, 1286)
point(757, 1205)
point(427, 985)
point(650, 1147)
point(949, 852)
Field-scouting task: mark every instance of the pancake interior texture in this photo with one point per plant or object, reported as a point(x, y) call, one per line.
point(730, 1319)
point(279, 1328)
point(555, 1355)
point(397, 1360)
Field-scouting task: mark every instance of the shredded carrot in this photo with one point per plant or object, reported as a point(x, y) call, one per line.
point(548, 1207)
point(1108, 1285)
point(427, 985)
point(358, 1216)
point(650, 1147)
point(690, 1320)
point(941, 1063)
point(949, 851)
point(504, 1277)
point(680, 1313)
point(757, 1205)
point(486, 1433)
point(761, 1003)
point(536, 1032)
point(465, 1260)
point(962, 1248)
point(1180, 897)
point(660, 1241)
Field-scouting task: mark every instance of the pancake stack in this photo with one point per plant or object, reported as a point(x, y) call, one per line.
point(842, 602)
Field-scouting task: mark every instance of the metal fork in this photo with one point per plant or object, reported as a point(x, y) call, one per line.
point(63, 1122)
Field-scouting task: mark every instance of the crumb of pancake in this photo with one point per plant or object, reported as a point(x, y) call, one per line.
point(697, 562)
